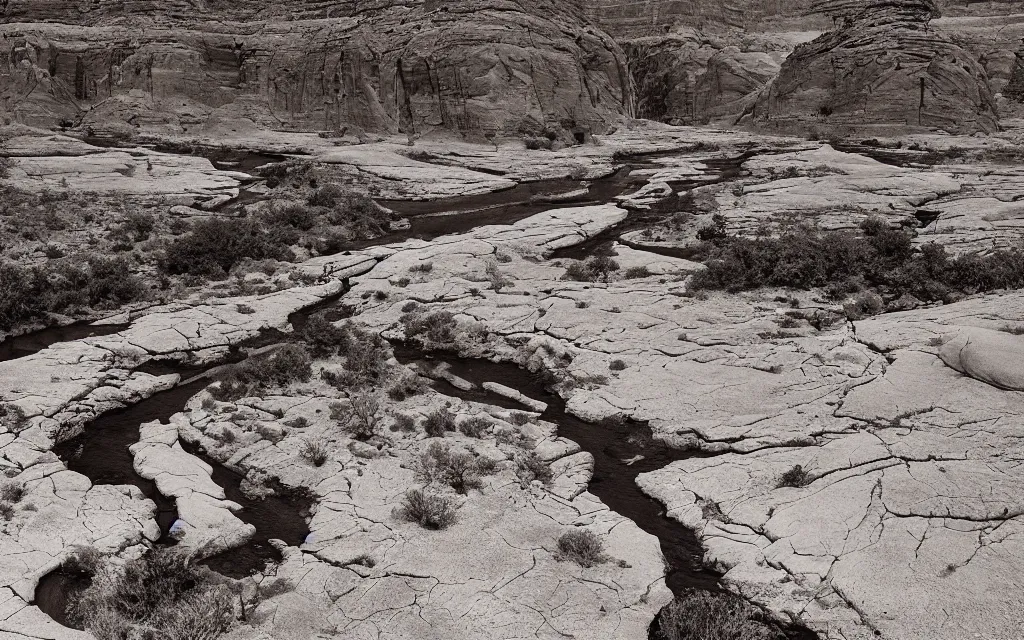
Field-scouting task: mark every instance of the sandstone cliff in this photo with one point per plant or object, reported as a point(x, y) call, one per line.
point(472, 66)
point(881, 65)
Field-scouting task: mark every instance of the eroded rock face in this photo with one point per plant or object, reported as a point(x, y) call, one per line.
point(472, 66)
point(881, 65)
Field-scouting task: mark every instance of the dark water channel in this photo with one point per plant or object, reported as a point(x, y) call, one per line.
point(25, 345)
point(622, 450)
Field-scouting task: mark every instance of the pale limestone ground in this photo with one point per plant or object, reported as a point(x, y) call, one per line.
point(913, 505)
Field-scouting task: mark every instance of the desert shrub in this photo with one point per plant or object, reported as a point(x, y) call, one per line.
point(429, 510)
point(6, 510)
point(538, 143)
point(795, 477)
point(290, 363)
point(214, 246)
point(530, 467)
point(136, 226)
point(634, 273)
point(323, 337)
point(315, 452)
point(365, 353)
point(582, 547)
point(495, 276)
point(519, 418)
point(292, 215)
point(160, 590)
point(617, 365)
point(244, 309)
point(460, 470)
point(882, 258)
point(404, 422)
point(327, 195)
point(715, 230)
point(713, 616)
point(362, 417)
point(595, 268)
point(13, 418)
point(83, 560)
point(439, 422)
point(6, 164)
point(865, 303)
point(407, 386)
point(475, 426)
point(437, 328)
point(423, 267)
point(12, 492)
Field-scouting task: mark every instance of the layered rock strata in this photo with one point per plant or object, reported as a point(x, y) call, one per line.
point(880, 65)
point(474, 66)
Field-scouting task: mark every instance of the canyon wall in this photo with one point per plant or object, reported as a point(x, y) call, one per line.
point(471, 66)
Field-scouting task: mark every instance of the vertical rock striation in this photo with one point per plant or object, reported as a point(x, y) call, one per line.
point(880, 65)
point(471, 66)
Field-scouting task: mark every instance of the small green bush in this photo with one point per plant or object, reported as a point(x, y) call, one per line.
point(582, 547)
point(429, 510)
point(530, 467)
point(474, 427)
point(617, 365)
point(596, 268)
point(437, 328)
point(12, 492)
point(635, 273)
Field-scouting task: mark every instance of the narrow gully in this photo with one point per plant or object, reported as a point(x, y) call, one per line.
point(27, 344)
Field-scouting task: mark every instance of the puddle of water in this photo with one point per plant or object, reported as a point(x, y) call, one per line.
point(29, 343)
point(56, 590)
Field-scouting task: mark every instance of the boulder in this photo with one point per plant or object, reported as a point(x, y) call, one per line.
point(991, 356)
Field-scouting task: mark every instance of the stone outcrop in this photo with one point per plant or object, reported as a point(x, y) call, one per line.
point(472, 66)
point(880, 65)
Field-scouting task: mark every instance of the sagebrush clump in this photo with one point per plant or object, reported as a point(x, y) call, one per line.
point(429, 510)
point(290, 363)
point(158, 595)
point(713, 616)
point(582, 547)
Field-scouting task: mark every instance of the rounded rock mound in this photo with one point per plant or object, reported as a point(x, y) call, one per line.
point(881, 66)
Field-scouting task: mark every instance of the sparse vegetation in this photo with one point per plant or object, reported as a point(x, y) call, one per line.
point(287, 364)
point(12, 492)
point(429, 510)
point(636, 273)
point(362, 417)
point(66, 287)
point(439, 422)
point(460, 470)
point(214, 246)
point(475, 426)
point(582, 547)
point(13, 418)
point(706, 615)
point(617, 365)
point(882, 258)
point(530, 467)
point(160, 590)
point(596, 268)
point(795, 477)
point(315, 452)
